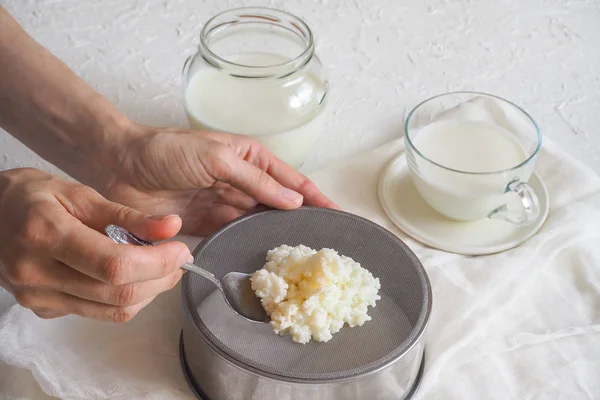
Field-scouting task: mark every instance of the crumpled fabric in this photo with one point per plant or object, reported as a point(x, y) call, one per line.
point(522, 324)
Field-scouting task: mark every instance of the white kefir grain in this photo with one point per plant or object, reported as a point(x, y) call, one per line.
point(312, 294)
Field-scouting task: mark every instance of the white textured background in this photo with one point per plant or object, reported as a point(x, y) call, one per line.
point(383, 57)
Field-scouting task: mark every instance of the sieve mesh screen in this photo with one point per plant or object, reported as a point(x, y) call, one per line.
point(397, 320)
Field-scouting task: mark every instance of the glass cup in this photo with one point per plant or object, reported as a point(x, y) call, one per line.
point(256, 73)
point(470, 156)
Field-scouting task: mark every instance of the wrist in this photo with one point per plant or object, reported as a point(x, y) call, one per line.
point(115, 138)
point(114, 154)
point(113, 133)
point(96, 138)
point(52, 111)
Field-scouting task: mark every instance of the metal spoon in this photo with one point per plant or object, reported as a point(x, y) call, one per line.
point(235, 286)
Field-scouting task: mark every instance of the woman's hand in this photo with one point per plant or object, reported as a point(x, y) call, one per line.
point(53, 255)
point(207, 178)
point(55, 260)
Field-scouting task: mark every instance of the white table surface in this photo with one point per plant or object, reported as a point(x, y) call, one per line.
point(383, 57)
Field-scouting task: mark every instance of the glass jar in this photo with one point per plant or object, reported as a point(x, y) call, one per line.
point(256, 73)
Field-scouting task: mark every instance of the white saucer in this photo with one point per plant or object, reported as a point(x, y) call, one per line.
point(407, 209)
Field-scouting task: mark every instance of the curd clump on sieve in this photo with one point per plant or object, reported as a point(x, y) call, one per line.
point(311, 293)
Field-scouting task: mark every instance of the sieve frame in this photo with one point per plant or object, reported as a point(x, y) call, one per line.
point(421, 325)
point(199, 393)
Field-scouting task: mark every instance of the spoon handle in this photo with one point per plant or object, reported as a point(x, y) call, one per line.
point(201, 271)
point(123, 236)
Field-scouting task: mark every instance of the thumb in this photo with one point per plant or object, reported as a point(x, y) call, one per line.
point(148, 227)
point(98, 212)
point(155, 227)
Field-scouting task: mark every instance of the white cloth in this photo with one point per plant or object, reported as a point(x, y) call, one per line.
point(523, 324)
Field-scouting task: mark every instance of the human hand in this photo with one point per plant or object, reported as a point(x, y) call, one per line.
point(55, 260)
point(207, 178)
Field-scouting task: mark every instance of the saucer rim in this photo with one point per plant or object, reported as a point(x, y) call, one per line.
point(468, 250)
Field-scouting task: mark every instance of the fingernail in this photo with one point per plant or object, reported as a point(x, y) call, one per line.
point(161, 217)
point(291, 195)
point(184, 257)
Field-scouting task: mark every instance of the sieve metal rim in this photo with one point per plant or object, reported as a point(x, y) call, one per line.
point(421, 324)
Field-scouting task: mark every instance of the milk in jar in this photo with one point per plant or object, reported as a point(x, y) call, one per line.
point(284, 115)
point(256, 74)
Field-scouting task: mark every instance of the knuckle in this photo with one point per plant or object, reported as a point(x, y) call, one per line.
point(17, 274)
point(21, 275)
point(115, 269)
point(123, 213)
point(253, 143)
point(122, 314)
point(78, 200)
point(41, 229)
point(264, 179)
point(32, 227)
point(27, 180)
point(81, 193)
point(222, 164)
point(251, 146)
point(127, 295)
point(306, 184)
point(26, 298)
point(165, 265)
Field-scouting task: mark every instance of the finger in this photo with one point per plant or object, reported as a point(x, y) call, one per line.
point(62, 278)
point(255, 182)
point(46, 302)
point(148, 227)
point(95, 211)
point(291, 178)
point(48, 314)
point(95, 255)
point(228, 195)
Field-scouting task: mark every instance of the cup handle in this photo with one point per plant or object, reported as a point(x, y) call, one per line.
point(530, 205)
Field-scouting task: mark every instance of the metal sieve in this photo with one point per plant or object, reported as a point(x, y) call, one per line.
point(228, 357)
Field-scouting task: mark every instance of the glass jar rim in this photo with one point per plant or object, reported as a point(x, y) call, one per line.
point(271, 15)
point(414, 148)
